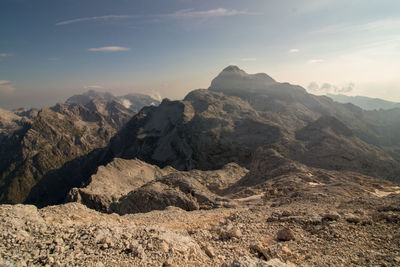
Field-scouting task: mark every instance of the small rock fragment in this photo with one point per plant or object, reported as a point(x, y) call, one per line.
point(285, 234)
point(351, 218)
point(209, 251)
point(331, 216)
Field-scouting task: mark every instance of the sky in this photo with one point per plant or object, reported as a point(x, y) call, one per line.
point(50, 50)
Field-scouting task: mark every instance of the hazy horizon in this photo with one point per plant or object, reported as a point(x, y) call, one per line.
point(52, 50)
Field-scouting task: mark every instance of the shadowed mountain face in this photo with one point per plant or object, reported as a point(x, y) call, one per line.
point(209, 129)
point(329, 144)
point(291, 106)
point(33, 143)
point(206, 130)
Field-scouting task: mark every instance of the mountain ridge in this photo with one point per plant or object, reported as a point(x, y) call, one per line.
point(211, 128)
point(364, 102)
point(133, 101)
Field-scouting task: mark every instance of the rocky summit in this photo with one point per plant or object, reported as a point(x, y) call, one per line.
point(250, 172)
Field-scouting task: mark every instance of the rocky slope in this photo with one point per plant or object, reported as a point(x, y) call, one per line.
point(191, 190)
point(286, 214)
point(293, 107)
point(209, 129)
point(35, 143)
point(206, 131)
point(113, 181)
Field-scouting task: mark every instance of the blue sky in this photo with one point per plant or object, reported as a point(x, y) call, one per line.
point(50, 49)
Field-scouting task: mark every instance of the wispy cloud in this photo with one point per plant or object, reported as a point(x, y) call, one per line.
point(293, 50)
point(249, 59)
point(96, 18)
point(184, 13)
point(109, 49)
point(6, 88)
point(218, 12)
point(313, 61)
point(378, 26)
point(5, 54)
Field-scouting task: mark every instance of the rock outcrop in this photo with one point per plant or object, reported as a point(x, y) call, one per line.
point(191, 190)
point(113, 181)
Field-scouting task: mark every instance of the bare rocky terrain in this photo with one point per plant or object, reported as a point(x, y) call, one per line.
point(250, 172)
point(303, 217)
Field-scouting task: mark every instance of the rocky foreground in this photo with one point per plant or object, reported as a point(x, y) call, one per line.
point(305, 217)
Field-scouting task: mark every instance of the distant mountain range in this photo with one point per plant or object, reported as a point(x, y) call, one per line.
point(132, 101)
point(364, 102)
point(57, 149)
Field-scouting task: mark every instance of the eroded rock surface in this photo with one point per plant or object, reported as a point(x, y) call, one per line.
point(115, 180)
point(336, 218)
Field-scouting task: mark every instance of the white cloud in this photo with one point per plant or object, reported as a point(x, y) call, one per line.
point(327, 88)
point(313, 87)
point(249, 59)
point(156, 95)
point(346, 88)
point(293, 50)
point(93, 87)
point(218, 12)
point(5, 54)
point(96, 18)
point(313, 61)
point(6, 88)
point(109, 49)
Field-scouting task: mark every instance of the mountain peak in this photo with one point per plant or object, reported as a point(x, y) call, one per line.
point(231, 68)
point(232, 77)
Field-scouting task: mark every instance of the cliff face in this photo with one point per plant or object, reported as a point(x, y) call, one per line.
point(39, 144)
point(206, 130)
